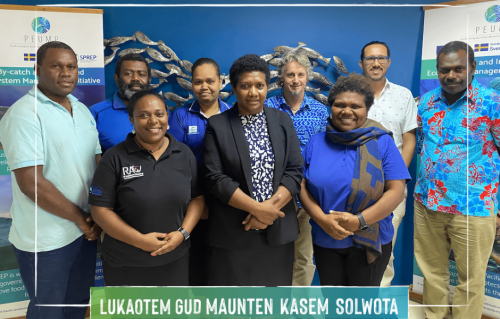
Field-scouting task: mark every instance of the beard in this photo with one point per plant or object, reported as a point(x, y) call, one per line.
point(126, 90)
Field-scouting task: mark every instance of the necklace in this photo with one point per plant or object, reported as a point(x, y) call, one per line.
point(152, 151)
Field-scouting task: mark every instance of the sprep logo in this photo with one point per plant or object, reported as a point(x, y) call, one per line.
point(87, 57)
point(492, 14)
point(40, 25)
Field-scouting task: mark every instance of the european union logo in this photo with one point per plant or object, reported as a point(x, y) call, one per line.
point(438, 48)
point(481, 47)
point(29, 56)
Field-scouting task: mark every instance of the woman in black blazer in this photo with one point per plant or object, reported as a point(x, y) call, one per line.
point(253, 168)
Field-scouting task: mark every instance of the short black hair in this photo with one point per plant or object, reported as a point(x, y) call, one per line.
point(139, 95)
point(248, 63)
point(131, 57)
point(202, 61)
point(372, 43)
point(352, 83)
point(42, 50)
point(453, 47)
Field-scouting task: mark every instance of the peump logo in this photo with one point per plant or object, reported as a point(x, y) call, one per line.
point(40, 25)
point(492, 14)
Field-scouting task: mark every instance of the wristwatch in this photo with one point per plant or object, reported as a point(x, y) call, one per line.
point(184, 233)
point(362, 224)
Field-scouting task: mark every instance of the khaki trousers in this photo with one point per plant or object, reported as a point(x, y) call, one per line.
point(435, 234)
point(303, 265)
point(399, 213)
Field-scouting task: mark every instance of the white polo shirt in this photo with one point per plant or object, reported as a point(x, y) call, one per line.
point(66, 147)
point(396, 110)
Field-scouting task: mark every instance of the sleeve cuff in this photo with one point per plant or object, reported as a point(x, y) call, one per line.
point(39, 162)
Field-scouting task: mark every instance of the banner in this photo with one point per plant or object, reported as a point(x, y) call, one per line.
point(249, 302)
point(25, 29)
point(479, 26)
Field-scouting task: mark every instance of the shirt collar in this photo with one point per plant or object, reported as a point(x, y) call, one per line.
point(132, 146)
point(280, 98)
point(118, 102)
point(194, 107)
point(387, 87)
point(473, 87)
point(44, 99)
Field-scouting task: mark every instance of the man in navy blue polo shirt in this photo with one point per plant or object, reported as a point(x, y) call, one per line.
point(309, 118)
point(132, 74)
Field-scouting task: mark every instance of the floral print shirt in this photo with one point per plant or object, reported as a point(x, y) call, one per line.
point(261, 155)
point(459, 162)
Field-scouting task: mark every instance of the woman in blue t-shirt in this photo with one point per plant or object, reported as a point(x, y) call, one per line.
point(354, 177)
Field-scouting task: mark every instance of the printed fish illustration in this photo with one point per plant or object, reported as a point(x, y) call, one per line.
point(155, 54)
point(274, 74)
point(340, 65)
point(174, 69)
point(318, 77)
point(179, 100)
point(417, 99)
point(144, 39)
point(149, 60)
point(109, 58)
point(267, 57)
point(314, 55)
point(131, 50)
point(115, 41)
point(276, 62)
point(310, 89)
point(276, 85)
point(155, 86)
point(225, 95)
point(187, 65)
point(158, 74)
point(168, 52)
point(314, 64)
point(323, 99)
point(185, 84)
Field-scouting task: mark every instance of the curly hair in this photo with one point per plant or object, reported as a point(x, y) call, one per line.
point(248, 63)
point(42, 51)
point(453, 47)
point(301, 58)
point(352, 83)
point(139, 95)
point(131, 57)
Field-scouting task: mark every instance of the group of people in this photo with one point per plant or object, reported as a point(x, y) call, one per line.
point(249, 194)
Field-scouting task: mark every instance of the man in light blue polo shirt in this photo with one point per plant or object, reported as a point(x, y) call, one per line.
point(51, 145)
point(132, 74)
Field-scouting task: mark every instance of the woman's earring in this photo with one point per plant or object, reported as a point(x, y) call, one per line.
point(168, 127)
point(133, 131)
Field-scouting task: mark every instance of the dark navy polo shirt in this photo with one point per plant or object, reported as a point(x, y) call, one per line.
point(149, 195)
point(188, 125)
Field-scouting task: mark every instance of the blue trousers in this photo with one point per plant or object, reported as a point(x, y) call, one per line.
point(64, 276)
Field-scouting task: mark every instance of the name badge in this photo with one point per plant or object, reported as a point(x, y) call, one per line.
point(193, 130)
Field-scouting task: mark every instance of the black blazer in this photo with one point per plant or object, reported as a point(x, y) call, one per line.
point(227, 166)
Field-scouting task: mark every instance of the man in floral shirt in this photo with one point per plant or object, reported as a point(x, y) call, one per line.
point(455, 195)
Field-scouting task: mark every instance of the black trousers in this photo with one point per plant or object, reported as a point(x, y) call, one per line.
point(172, 274)
point(348, 266)
point(198, 255)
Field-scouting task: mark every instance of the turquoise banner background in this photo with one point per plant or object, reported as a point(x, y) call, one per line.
point(249, 302)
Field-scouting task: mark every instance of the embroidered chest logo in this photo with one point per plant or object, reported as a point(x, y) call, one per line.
point(132, 172)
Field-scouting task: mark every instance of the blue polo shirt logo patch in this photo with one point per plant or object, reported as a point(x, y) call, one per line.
point(132, 172)
point(94, 190)
point(193, 130)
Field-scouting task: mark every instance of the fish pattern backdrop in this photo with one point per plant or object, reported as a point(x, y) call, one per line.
point(180, 70)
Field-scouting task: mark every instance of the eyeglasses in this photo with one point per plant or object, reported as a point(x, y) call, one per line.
point(371, 59)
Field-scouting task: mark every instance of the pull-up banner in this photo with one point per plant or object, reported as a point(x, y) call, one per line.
point(24, 30)
point(479, 26)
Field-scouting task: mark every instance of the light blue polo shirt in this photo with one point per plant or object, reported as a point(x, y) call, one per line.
point(38, 131)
